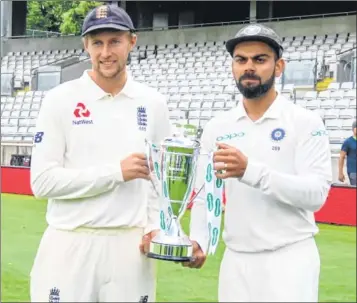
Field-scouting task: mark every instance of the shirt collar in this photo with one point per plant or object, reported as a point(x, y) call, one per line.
point(130, 89)
point(98, 93)
point(273, 112)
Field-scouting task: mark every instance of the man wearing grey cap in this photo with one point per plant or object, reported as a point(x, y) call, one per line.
point(89, 161)
point(277, 173)
point(349, 151)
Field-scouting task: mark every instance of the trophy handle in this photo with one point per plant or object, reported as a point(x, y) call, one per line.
point(152, 172)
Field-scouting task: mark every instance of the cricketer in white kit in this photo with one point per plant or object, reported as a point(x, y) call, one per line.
point(89, 161)
point(276, 165)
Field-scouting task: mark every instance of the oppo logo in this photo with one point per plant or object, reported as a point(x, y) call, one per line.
point(230, 136)
point(319, 133)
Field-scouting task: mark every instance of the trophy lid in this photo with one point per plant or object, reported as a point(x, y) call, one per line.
point(181, 142)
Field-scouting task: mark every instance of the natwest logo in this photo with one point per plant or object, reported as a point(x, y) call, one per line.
point(81, 112)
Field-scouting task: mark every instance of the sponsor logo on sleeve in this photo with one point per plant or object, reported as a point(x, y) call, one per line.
point(38, 137)
point(319, 133)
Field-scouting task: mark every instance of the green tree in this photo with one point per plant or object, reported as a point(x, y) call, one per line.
point(46, 15)
point(58, 16)
point(73, 18)
point(35, 18)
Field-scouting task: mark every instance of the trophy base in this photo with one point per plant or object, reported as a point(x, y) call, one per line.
point(168, 248)
point(168, 258)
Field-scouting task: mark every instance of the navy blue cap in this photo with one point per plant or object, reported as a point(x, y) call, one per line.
point(256, 32)
point(107, 17)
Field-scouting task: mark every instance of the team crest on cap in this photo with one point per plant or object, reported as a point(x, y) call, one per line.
point(252, 30)
point(101, 12)
point(278, 134)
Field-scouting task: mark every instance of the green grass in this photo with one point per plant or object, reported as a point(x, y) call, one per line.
point(23, 222)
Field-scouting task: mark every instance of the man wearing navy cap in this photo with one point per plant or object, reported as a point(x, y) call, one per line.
point(277, 173)
point(89, 162)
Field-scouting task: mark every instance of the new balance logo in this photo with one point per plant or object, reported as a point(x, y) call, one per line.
point(81, 112)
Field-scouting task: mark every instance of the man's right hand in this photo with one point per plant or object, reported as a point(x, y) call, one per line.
point(198, 257)
point(135, 167)
point(341, 177)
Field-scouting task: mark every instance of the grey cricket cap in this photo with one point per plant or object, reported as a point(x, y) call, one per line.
point(256, 32)
point(107, 17)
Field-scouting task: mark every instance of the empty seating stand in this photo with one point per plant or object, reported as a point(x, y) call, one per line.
point(22, 64)
point(19, 114)
point(197, 80)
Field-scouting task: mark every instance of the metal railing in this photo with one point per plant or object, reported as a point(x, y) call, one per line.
point(35, 33)
point(346, 51)
point(41, 33)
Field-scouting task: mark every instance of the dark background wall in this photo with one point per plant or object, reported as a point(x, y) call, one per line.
point(146, 14)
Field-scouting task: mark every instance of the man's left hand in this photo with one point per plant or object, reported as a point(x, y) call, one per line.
point(229, 162)
point(145, 243)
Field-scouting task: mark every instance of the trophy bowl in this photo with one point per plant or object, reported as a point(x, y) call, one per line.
point(174, 164)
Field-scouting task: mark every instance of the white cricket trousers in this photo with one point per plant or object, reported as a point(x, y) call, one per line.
point(92, 265)
point(289, 274)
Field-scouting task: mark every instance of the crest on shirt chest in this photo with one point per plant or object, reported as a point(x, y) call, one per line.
point(277, 135)
point(142, 118)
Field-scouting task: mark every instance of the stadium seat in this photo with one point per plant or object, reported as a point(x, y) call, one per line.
point(337, 136)
point(342, 103)
point(346, 124)
point(333, 124)
point(196, 78)
point(333, 86)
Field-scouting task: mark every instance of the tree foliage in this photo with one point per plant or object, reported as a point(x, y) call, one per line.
point(65, 17)
point(73, 18)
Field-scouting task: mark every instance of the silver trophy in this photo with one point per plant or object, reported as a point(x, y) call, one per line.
point(173, 164)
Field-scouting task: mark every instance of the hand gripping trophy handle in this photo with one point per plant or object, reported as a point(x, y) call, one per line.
point(173, 167)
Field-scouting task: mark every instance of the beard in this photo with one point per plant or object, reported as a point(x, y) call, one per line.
point(112, 73)
point(255, 91)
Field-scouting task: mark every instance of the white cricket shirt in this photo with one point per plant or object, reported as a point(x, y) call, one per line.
point(288, 177)
point(82, 134)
